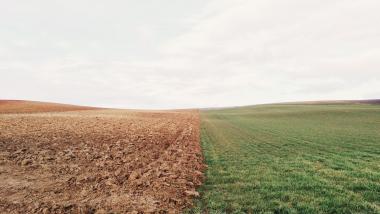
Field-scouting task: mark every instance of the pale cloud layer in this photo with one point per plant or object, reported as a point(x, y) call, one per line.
point(180, 54)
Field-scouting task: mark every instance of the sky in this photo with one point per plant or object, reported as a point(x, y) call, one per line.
point(165, 54)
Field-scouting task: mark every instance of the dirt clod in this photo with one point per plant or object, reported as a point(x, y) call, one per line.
point(192, 193)
point(26, 162)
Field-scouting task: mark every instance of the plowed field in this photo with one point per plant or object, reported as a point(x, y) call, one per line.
point(22, 106)
point(99, 161)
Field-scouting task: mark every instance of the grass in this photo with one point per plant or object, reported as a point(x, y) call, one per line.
point(291, 159)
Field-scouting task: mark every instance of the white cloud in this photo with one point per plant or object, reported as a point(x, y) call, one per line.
point(221, 53)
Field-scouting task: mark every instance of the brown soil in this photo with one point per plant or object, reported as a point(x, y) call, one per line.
point(23, 106)
point(99, 161)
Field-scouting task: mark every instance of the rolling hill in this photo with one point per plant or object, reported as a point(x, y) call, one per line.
point(24, 106)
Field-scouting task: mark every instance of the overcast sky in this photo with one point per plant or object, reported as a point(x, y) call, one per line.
point(179, 53)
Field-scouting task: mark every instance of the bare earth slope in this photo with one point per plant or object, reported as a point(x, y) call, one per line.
point(23, 106)
point(99, 161)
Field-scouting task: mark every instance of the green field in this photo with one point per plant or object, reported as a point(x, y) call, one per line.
point(291, 159)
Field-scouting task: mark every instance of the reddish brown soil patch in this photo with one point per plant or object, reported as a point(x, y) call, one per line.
point(99, 161)
point(22, 106)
